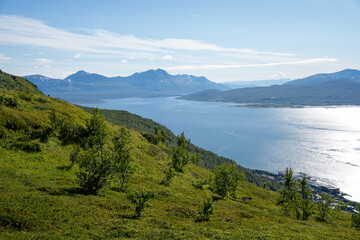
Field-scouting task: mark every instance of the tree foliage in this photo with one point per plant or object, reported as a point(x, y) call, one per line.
point(226, 179)
point(181, 156)
point(205, 210)
point(99, 160)
point(169, 174)
point(289, 196)
point(157, 137)
point(122, 167)
point(94, 160)
point(95, 168)
point(355, 219)
point(139, 198)
point(305, 204)
point(325, 213)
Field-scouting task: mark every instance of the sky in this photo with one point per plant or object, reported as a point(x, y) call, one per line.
point(222, 40)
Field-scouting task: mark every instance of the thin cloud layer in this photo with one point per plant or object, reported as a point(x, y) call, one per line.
point(18, 30)
point(224, 66)
point(3, 57)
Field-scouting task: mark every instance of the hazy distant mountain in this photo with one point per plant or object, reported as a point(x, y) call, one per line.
point(256, 83)
point(344, 75)
point(341, 88)
point(84, 86)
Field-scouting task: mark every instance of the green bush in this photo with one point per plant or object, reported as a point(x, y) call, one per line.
point(139, 198)
point(122, 161)
point(355, 219)
point(289, 196)
point(95, 168)
point(325, 213)
point(158, 136)
point(226, 179)
point(11, 102)
point(26, 146)
point(27, 96)
point(199, 183)
point(205, 210)
point(169, 174)
point(181, 156)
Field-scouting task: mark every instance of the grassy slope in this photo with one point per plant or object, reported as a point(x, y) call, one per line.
point(16, 83)
point(37, 189)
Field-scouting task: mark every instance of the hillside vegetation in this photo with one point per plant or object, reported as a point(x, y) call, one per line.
point(41, 198)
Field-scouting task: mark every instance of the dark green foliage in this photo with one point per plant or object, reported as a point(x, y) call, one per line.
point(325, 213)
point(226, 179)
point(71, 133)
point(305, 204)
point(2, 100)
point(95, 167)
point(95, 162)
point(157, 137)
point(68, 132)
point(199, 183)
point(181, 156)
point(205, 210)
point(96, 130)
point(26, 95)
point(10, 102)
point(169, 174)
point(121, 160)
point(355, 219)
point(289, 196)
point(26, 146)
point(139, 198)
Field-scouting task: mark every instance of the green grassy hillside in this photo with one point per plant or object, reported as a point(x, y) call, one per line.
point(41, 199)
point(12, 82)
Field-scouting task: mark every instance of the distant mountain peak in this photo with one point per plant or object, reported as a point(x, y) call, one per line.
point(81, 73)
point(158, 71)
point(344, 75)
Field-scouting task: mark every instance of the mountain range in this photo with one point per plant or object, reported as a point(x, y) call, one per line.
point(339, 88)
point(84, 86)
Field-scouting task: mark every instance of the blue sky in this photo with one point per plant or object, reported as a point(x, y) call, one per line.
point(222, 40)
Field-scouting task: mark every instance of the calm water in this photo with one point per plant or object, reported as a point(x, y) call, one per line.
point(323, 142)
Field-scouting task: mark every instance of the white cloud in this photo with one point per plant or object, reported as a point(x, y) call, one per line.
point(124, 61)
point(44, 60)
point(167, 57)
point(17, 30)
point(131, 57)
point(78, 55)
point(224, 66)
point(3, 58)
